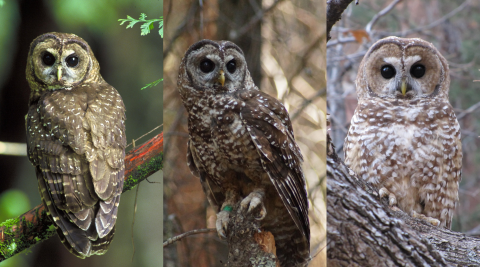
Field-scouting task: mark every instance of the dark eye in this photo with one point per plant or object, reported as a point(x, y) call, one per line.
point(207, 66)
point(388, 71)
point(417, 71)
point(231, 66)
point(48, 59)
point(72, 61)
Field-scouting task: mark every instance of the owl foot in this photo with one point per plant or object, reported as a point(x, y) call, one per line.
point(222, 223)
point(392, 200)
point(255, 200)
point(432, 221)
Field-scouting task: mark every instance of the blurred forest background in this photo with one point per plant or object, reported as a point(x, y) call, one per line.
point(128, 62)
point(284, 44)
point(452, 26)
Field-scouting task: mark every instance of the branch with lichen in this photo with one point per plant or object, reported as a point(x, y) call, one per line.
point(35, 226)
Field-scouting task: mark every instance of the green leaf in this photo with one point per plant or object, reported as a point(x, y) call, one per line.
point(147, 25)
point(2, 2)
point(152, 84)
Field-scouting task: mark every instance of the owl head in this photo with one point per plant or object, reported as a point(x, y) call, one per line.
point(59, 61)
point(213, 67)
point(402, 68)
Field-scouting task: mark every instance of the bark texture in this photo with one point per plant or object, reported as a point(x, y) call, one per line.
point(335, 9)
point(248, 245)
point(364, 231)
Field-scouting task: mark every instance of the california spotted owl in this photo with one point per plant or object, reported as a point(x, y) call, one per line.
point(404, 137)
point(241, 145)
point(76, 141)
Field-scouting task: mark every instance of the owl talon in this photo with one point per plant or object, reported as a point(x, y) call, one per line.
point(392, 200)
point(430, 220)
point(222, 223)
point(253, 201)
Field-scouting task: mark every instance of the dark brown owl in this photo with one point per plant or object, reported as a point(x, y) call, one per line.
point(76, 141)
point(242, 147)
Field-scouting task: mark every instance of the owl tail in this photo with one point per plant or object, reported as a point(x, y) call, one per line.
point(292, 247)
point(76, 230)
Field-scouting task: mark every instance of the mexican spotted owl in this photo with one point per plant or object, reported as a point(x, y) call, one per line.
point(404, 137)
point(76, 141)
point(242, 147)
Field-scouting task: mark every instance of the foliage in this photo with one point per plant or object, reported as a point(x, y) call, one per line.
point(2, 2)
point(152, 84)
point(13, 202)
point(147, 25)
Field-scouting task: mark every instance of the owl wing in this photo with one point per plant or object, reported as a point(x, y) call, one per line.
point(269, 126)
point(73, 159)
point(104, 120)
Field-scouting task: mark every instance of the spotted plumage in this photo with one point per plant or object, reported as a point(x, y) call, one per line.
point(76, 141)
point(404, 137)
point(242, 147)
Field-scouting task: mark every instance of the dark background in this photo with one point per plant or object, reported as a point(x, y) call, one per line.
point(128, 62)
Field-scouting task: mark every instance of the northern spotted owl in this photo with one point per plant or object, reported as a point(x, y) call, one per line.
point(241, 145)
point(404, 137)
point(76, 141)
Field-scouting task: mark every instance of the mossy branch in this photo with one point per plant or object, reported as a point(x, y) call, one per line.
point(34, 226)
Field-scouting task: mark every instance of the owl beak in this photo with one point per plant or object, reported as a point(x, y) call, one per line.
point(221, 78)
point(405, 87)
point(59, 73)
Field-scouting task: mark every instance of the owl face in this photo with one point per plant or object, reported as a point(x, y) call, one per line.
point(403, 68)
point(59, 61)
point(215, 65)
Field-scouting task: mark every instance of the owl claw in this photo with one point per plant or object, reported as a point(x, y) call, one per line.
point(252, 201)
point(392, 200)
point(222, 223)
point(432, 221)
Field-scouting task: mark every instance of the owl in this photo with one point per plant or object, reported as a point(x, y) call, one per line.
point(241, 145)
point(404, 137)
point(76, 141)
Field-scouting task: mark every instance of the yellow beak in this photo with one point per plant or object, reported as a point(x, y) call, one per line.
point(221, 78)
point(404, 87)
point(59, 73)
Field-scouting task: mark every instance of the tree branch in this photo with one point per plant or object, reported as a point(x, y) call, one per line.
point(359, 222)
point(248, 245)
point(335, 9)
point(34, 226)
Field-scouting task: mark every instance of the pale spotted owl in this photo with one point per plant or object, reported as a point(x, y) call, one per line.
point(242, 147)
point(76, 141)
point(404, 137)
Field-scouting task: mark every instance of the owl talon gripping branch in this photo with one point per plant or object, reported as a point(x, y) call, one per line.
point(253, 201)
point(392, 200)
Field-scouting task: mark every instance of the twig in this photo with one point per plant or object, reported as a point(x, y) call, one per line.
point(192, 232)
point(254, 21)
point(435, 23)
point(380, 14)
point(135, 140)
point(307, 102)
point(468, 111)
